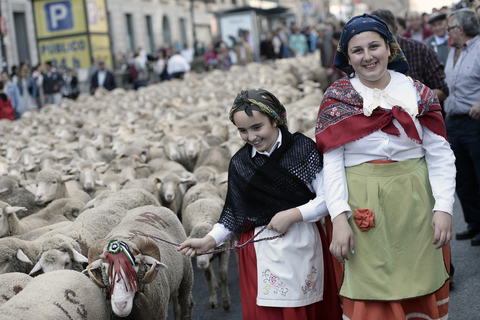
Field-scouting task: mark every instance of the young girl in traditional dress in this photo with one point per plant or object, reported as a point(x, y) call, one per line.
point(275, 180)
point(389, 179)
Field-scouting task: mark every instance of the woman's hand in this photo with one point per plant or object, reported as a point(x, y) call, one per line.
point(283, 220)
point(442, 226)
point(343, 240)
point(191, 247)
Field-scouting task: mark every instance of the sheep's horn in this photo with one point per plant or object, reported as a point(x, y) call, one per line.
point(94, 279)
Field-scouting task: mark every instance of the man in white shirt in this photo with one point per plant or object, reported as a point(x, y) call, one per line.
point(177, 65)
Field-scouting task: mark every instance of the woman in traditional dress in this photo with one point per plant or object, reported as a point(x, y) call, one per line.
point(389, 178)
point(275, 180)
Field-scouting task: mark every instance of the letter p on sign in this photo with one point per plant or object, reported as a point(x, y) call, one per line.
point(59, 15)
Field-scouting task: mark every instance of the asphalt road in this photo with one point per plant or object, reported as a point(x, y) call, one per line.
point(464, 296)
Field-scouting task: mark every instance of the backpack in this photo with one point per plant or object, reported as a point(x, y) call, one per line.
point(133, 72)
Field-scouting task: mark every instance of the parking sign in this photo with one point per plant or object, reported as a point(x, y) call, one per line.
point(59, 15)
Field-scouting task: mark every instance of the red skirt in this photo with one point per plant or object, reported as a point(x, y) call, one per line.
point(433, 306)
point(327, 309)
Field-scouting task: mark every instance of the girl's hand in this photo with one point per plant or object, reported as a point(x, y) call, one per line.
point(343, 240)
point(191, 247)
point(442, 226)
point(283, 220)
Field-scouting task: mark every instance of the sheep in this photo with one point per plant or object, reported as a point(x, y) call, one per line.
point(71, 246)
point(15, 195)
point(35, 234)
point(216, 157)
point(71, 295)
point(202, 211)
point(58, 252)
point(149, 256)
point(146, 184)
point(162, 164)
point(94, 224)
point(172, 187)
point(57, 211)
point(51, 186)
point(11, 284)
point(3, 166)
point(16, 255)
point(130, 168)
point(5, 211)
point(87, 173)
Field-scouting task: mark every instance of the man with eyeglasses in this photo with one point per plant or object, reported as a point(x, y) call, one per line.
point(463, 114)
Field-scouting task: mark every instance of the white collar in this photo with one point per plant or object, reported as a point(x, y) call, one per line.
point(399, 92)
point(440, 40)
point(277, 144)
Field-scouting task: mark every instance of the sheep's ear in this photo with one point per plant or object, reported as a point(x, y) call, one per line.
point(78, 256)
point(36, 268)
point(99, 164)
point(30, 167)
point(10, 210)
point(100, 183)
point(23, 257)
point(67, 178)
point(24, 183)
point(141, 165)
point(157, 181)
point(188, 180)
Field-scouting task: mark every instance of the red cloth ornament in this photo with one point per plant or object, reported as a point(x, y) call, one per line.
point(364, 219)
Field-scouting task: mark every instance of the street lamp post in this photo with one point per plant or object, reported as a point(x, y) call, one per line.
point(193, 27)
point(3, 30)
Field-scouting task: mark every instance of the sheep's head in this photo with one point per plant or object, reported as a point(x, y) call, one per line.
point(11, 253)
point(200, 231)
point(58, 252)
point(49, 184)
point(169, 183)
point(122, 265)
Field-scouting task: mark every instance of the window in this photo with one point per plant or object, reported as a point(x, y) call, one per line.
point(148, 21)
point(130, 36)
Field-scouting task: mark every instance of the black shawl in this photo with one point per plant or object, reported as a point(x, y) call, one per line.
point(260, 187)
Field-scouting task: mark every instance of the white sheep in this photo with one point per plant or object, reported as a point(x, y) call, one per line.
point(129, 167)
point(51, 186)
point(148, 257)
point(202, 210)
point(172, 187)
point(57, 295)
point(58, 252)
point(57, 211)
point(16, 255)
point(15, 195)
point(93, 224)
point(87, 173)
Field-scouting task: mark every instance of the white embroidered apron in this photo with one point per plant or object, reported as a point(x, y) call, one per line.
point(290, 269)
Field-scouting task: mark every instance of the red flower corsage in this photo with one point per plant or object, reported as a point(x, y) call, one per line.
point(364, 219)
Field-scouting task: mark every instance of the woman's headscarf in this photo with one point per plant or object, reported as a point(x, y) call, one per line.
point(396, 61)
point(260, 100)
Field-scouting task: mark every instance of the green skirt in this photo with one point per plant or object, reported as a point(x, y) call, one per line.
point(395, 259)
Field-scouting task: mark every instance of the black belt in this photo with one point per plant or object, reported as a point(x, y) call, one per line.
point(458, 116)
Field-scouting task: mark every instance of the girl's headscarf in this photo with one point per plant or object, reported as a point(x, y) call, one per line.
point(396, 61)
point(260, 100)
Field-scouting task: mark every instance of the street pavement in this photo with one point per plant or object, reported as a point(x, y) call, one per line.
point(464, 296)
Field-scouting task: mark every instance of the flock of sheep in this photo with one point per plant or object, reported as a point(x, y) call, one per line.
point(119, 165)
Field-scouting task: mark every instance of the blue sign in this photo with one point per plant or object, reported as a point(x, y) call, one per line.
point(59, 15)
